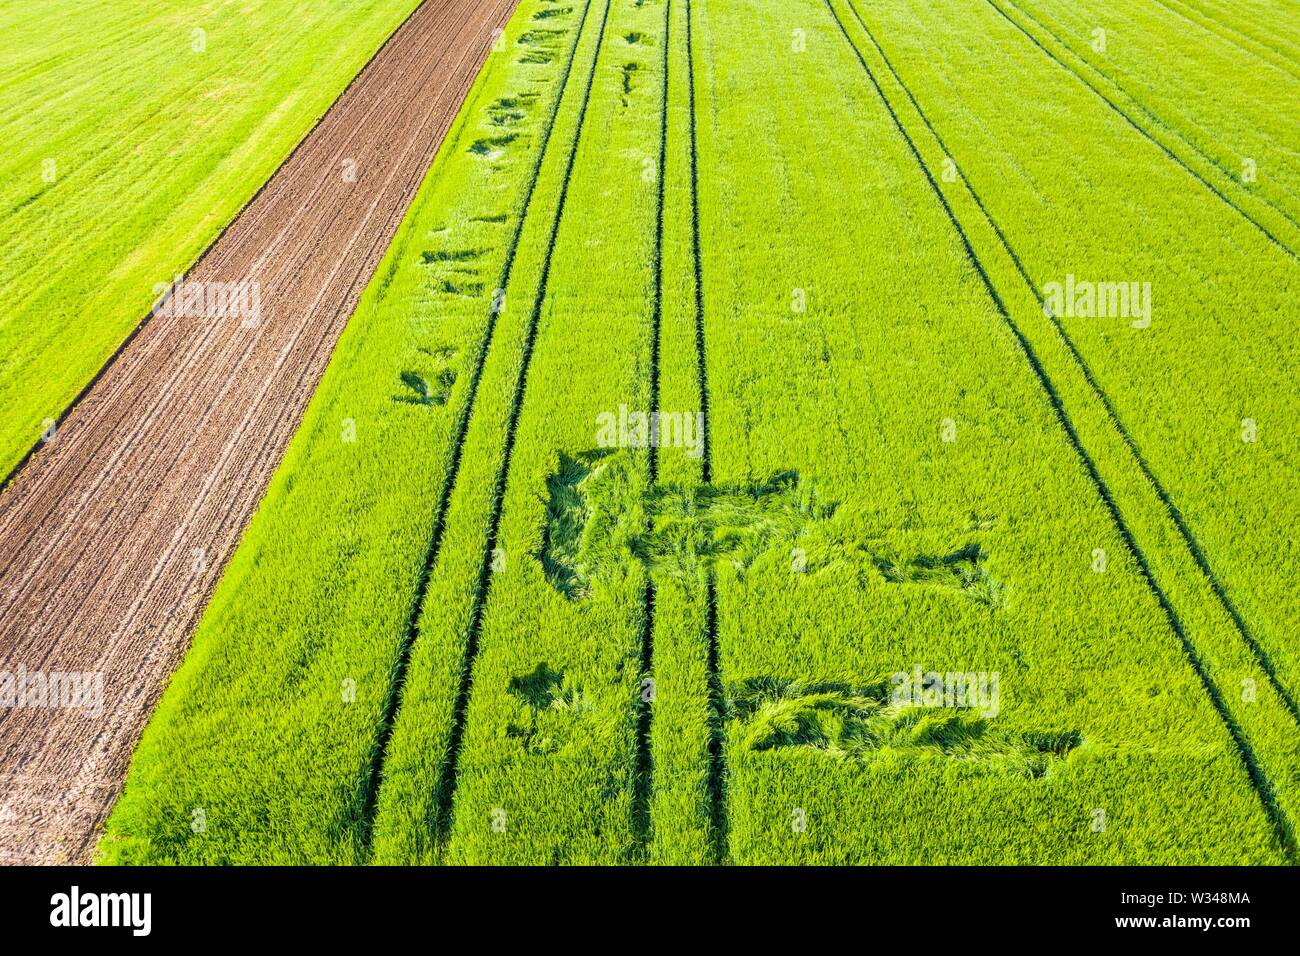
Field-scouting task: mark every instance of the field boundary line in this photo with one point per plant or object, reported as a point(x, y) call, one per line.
point(393, 703)
point(1152, 138)
point(447, 785)
point(159, 406)
point(189, 270)
point(1193, 544)
point(1262, 784)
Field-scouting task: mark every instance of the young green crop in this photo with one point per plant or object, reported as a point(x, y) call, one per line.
point(1262, 27)
point(1167, 74)
point(415, 792)
point(550, 778)
point(133, 134)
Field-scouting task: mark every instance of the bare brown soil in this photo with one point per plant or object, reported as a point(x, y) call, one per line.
point(113, 536)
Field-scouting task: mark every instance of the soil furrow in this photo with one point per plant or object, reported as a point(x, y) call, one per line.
point(300, 211)
point(260, 461)
point(161, 512)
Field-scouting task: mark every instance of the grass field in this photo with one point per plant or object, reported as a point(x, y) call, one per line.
point(133, 134)
point(931, 557)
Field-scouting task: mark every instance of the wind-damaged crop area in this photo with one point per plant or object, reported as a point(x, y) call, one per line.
point(803, 432)
point(858, 723)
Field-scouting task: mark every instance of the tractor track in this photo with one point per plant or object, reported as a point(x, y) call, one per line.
point(643, 769)
point(114, 535)
point(411, 629)
point(446, 795)
point(717, 692)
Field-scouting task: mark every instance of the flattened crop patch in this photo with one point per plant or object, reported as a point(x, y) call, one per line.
point(547, 703)
point(860, 723)
point(601, 519)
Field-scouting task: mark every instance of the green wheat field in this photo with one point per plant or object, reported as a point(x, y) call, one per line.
point(780, 432)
